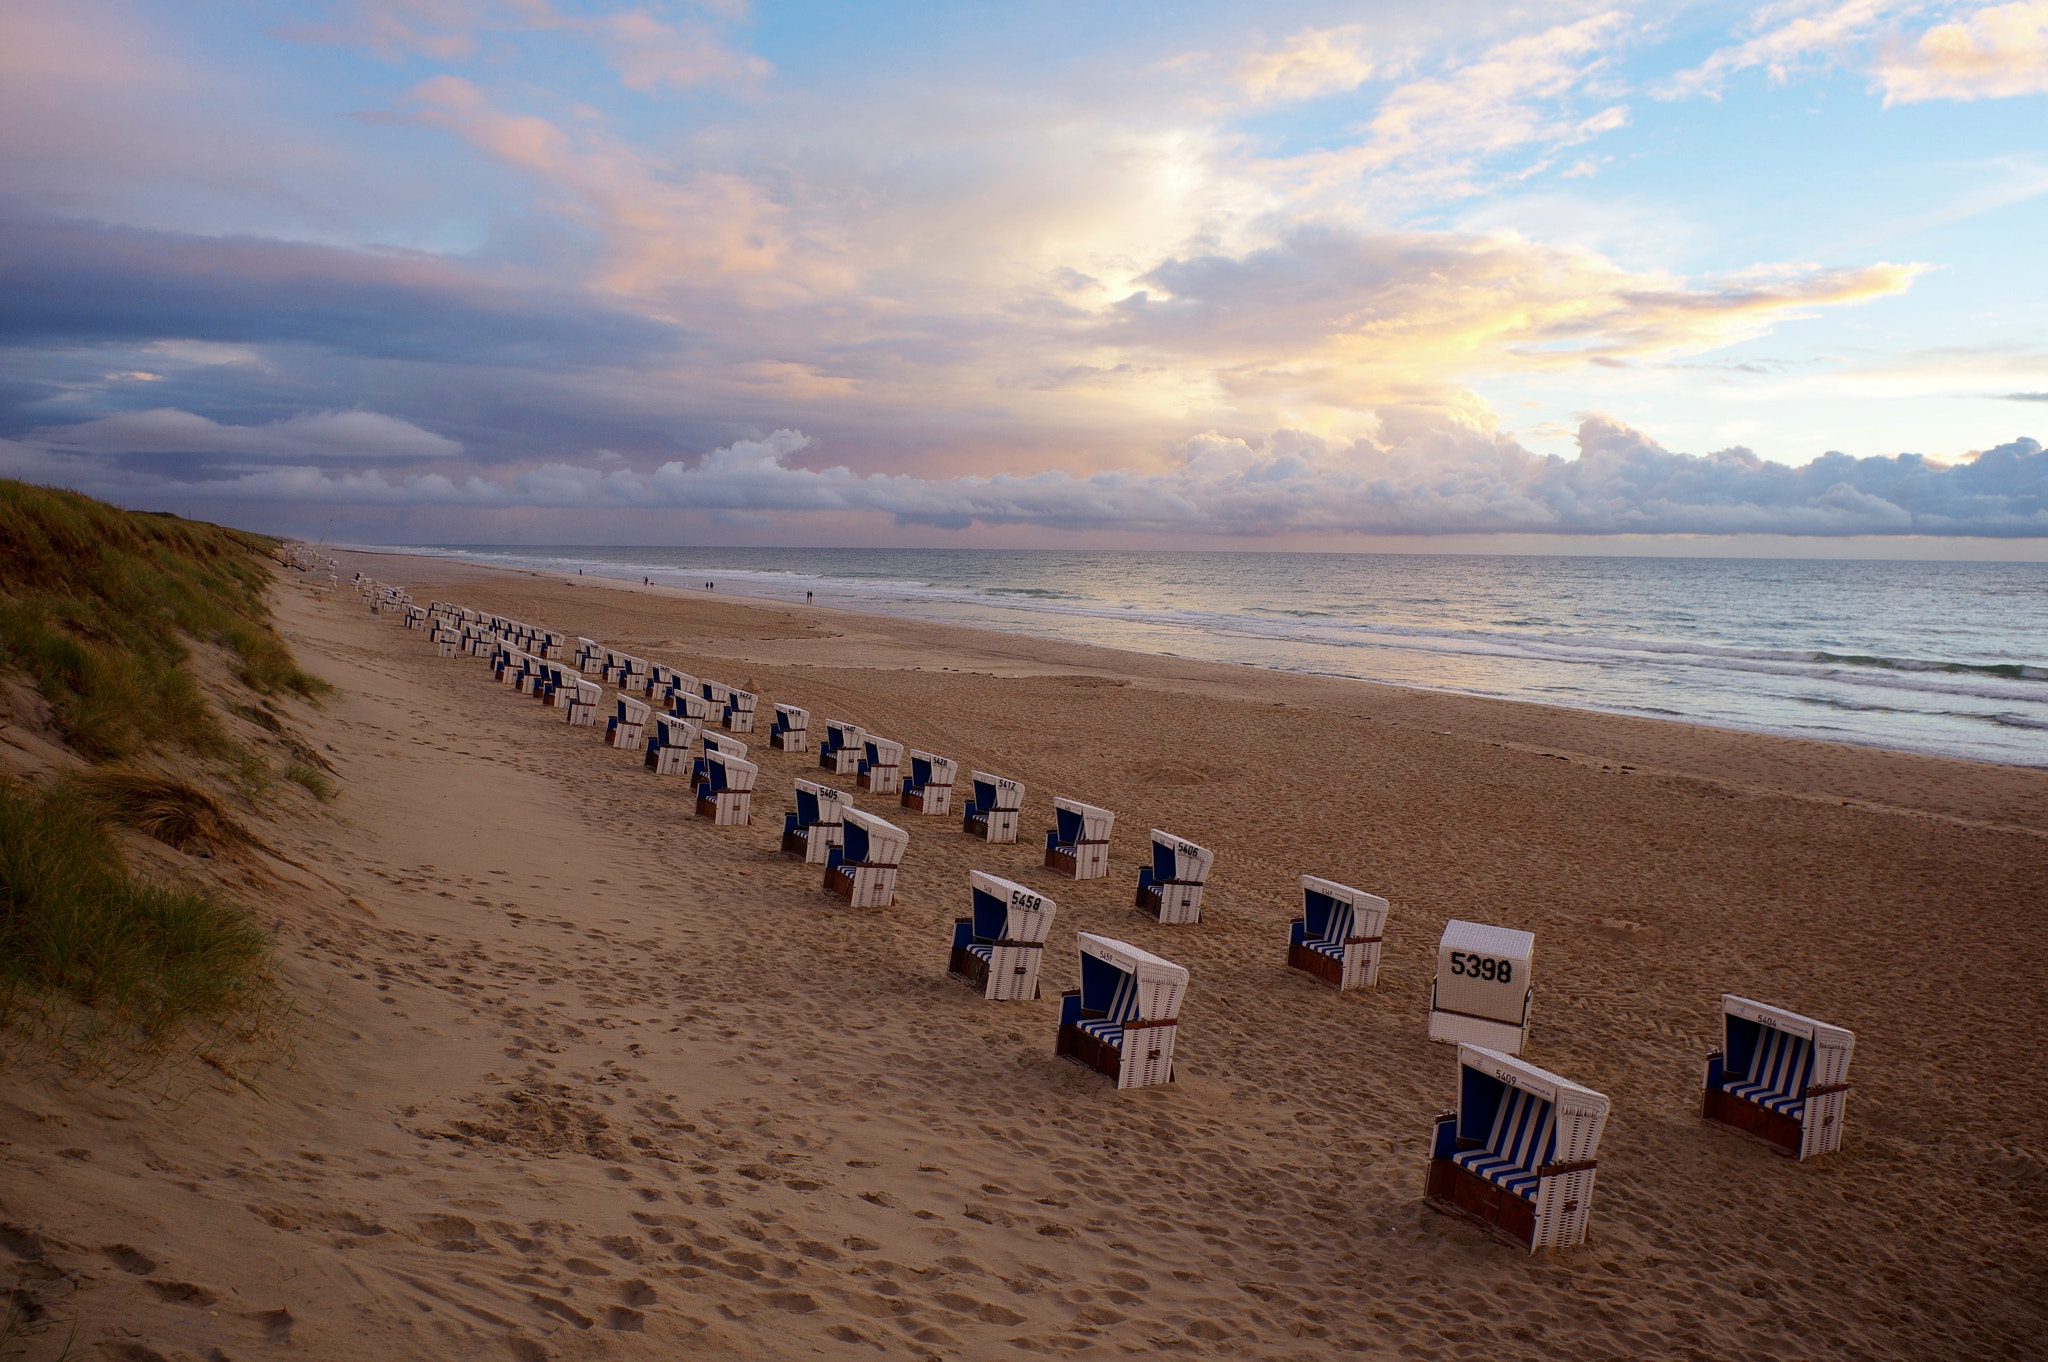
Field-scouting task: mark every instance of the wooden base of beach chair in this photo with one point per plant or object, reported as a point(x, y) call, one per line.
point(885, 782)
point(738, 723)
point(841, 881)
point(1062, 860)
point(1152, 901)
point(583, 716)
point(1088, 1052)
point(790, 742)
point(1323, 967)
point(1017, 982)
point(997, 826)
point(727, 810)
point(840, 763)
point(1081, 861)
point(933, 803)
point(1783, 1133)
point(1459, 1191)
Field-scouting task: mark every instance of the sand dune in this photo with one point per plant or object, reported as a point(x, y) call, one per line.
point(579, 1075)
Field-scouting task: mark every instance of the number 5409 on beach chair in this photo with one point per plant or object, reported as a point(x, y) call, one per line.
point(1518, 1155)
point(1780, 1076)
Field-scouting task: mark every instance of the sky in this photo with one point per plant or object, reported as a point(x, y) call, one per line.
point(1674, 277)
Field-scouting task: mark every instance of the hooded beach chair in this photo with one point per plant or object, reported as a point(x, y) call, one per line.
point(627, 726)
point(880, 771)
point(551, 679)
point(1123, 1018)
point(739, 710)
point(998, 949)
point(1519, 1153)
point(1337, 936)
point(552, 645)
point(589, 656)
point(1079, 846)
point(1170, 889)
point(1780, 1076)
point(668, 747)
point(928, 789)
point(415, 617)
point(815, 826)
point(661, 680)
point(715, 744)
point(790, 730)
point(584, 696)
point(691, 705)
point(862, 869)
point(726, 794)
point(992, 808)
point(1481, 992)
point(633, 673)
point(842, 747)
point(718, 695)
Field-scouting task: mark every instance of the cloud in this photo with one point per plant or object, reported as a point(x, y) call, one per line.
point(1999, 52)
point(356, 436)
point(1311, 63)
point(1786, 37)
point(650, 53)
point(1422, 475)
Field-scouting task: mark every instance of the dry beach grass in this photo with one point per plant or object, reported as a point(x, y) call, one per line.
point(578, 1075)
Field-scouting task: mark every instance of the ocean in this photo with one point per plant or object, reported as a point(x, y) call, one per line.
point(1945, 658)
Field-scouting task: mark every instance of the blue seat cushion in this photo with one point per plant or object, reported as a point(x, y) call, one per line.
point(1107, 1031)
point(982, 949)
point(1333, 949)
point(1499, 1171)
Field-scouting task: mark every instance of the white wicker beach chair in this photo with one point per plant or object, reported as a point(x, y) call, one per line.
point(627, 726)
point(552, 645)
point(1519, 1154)
point(589, 656)
point(726, 794)
point(814, 827)
point(1337, 936)
point(862, 869)
point(997, 950)
point(842, 748)
point(880, 771)
point(1170, 889)
point(1780, 1076)
point(715, 744)
point(1123, 1018)
point(691, 704)
point(668, 747)
point(992, 809)
point(584, 697)
point(928, 789)
point(791, 729)
point(739, 710)
point(1481, 992)
point(1079, 846)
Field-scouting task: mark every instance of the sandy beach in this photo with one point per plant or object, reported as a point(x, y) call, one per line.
point(575, 1074)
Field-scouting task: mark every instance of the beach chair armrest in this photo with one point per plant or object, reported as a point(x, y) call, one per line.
point(1445, 1142)
point(1070, 1007)
point(1556, 1170)
point(1813, 1090)
point(1297, 932)
point(1716, 1071)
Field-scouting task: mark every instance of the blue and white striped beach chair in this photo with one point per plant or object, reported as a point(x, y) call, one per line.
point(862, 869)
point(1079, 845)
point(814, 826)
point(1123, 1019)
point(992, 809)
point(998, 949)
point(1170, 889)
point(1337, 936)
point(1519, 1154)
point(928, 789)
point(880, 768)
point(791, 729)
point(1780, 1076)
point(842, 747)
point(726, 794)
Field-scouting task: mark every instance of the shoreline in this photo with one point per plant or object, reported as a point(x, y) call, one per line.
point(1745, 761)
point(1714, 698)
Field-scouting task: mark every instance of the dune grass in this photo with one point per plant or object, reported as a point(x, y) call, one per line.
point(96, 605)
point(147, 957)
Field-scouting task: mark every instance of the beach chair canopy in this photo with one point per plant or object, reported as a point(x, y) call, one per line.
point(716, 693)
point(587, 692)
point(631, 711)
point(1179, 860)
point(1335, 913)
point(690, 705)
point(791, 719)
point(1078, 822)
point(723, 773)
point(1780, 1053)
point(1484, 971)
point(996, 792)
point(718, 742)
point(926, 769)
point(870, 841)
point(742, 701)
point(671, 731)
point(838, 735)
point(1524, 1118)
point(883, 752)
point(820, 805)
point(1124, 983)
point(1008, 914)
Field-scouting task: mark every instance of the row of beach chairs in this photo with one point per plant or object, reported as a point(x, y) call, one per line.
point(1519, 1151)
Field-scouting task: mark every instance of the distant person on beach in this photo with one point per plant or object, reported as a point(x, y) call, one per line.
point(707, 586)
point(807, 598)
